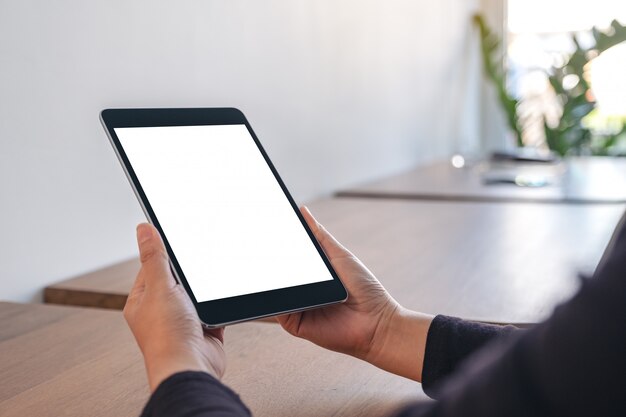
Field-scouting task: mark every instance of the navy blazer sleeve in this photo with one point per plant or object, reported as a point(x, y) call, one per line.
point(194, 394)
point(573, 364)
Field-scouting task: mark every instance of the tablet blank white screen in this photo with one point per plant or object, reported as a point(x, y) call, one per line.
point(227, 220)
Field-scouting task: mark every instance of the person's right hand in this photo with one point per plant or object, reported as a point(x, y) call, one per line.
point(164, 321)
point(370, 325)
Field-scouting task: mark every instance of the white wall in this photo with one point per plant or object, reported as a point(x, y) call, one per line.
point(338, 91)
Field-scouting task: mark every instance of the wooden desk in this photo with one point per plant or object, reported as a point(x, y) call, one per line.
point(69, 361)
point(508, 263)
point(595, 180)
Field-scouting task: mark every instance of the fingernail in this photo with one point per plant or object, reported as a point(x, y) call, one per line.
point(144, 232)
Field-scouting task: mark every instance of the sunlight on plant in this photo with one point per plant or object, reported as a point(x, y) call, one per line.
point(608, 80)
point(572, 118)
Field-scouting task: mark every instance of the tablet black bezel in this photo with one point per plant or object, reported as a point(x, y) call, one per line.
point(233, 309)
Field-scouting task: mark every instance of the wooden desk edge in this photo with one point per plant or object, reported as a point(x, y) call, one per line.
point(469, 198)
point(81, 298)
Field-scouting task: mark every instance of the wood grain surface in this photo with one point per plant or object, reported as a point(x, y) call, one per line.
point(70, 361)
point(596, 180)
point(105, 288)
point(495, 262)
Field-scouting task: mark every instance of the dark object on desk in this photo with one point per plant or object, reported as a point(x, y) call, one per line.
point(517, 179)
point(525, 155)
point(523, 167)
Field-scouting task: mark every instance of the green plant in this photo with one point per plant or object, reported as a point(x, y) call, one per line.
point(492, 62)
point(571, 135)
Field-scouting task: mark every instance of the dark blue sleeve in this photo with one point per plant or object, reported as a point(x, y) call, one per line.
point(573, 364)
point(450, 341)
point(194, 394)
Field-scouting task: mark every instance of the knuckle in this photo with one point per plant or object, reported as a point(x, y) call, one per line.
point(126, 312)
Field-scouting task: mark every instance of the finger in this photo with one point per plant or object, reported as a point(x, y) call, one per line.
point(282, 320)
point(290, 322)
point(214, 333)
point(331, 246)
point(155, 267)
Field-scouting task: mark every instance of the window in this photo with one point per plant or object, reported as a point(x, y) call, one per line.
point(539, 38)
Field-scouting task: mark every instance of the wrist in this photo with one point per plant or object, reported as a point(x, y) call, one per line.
point(162, 365)
point(400, 343)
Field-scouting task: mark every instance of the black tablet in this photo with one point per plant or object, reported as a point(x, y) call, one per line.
point(235, 238)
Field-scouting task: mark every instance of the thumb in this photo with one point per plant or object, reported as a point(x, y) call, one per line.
point(331, 246)
point(155, 267)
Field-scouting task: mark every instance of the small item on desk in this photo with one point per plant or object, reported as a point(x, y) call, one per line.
point(521, 180)
point(525, 154)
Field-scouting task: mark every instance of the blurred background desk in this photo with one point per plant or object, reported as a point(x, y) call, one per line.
point(595, 180)
point(77, 362)
point(495, 262)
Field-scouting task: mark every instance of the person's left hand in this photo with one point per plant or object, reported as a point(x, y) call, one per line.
point(164, 320)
